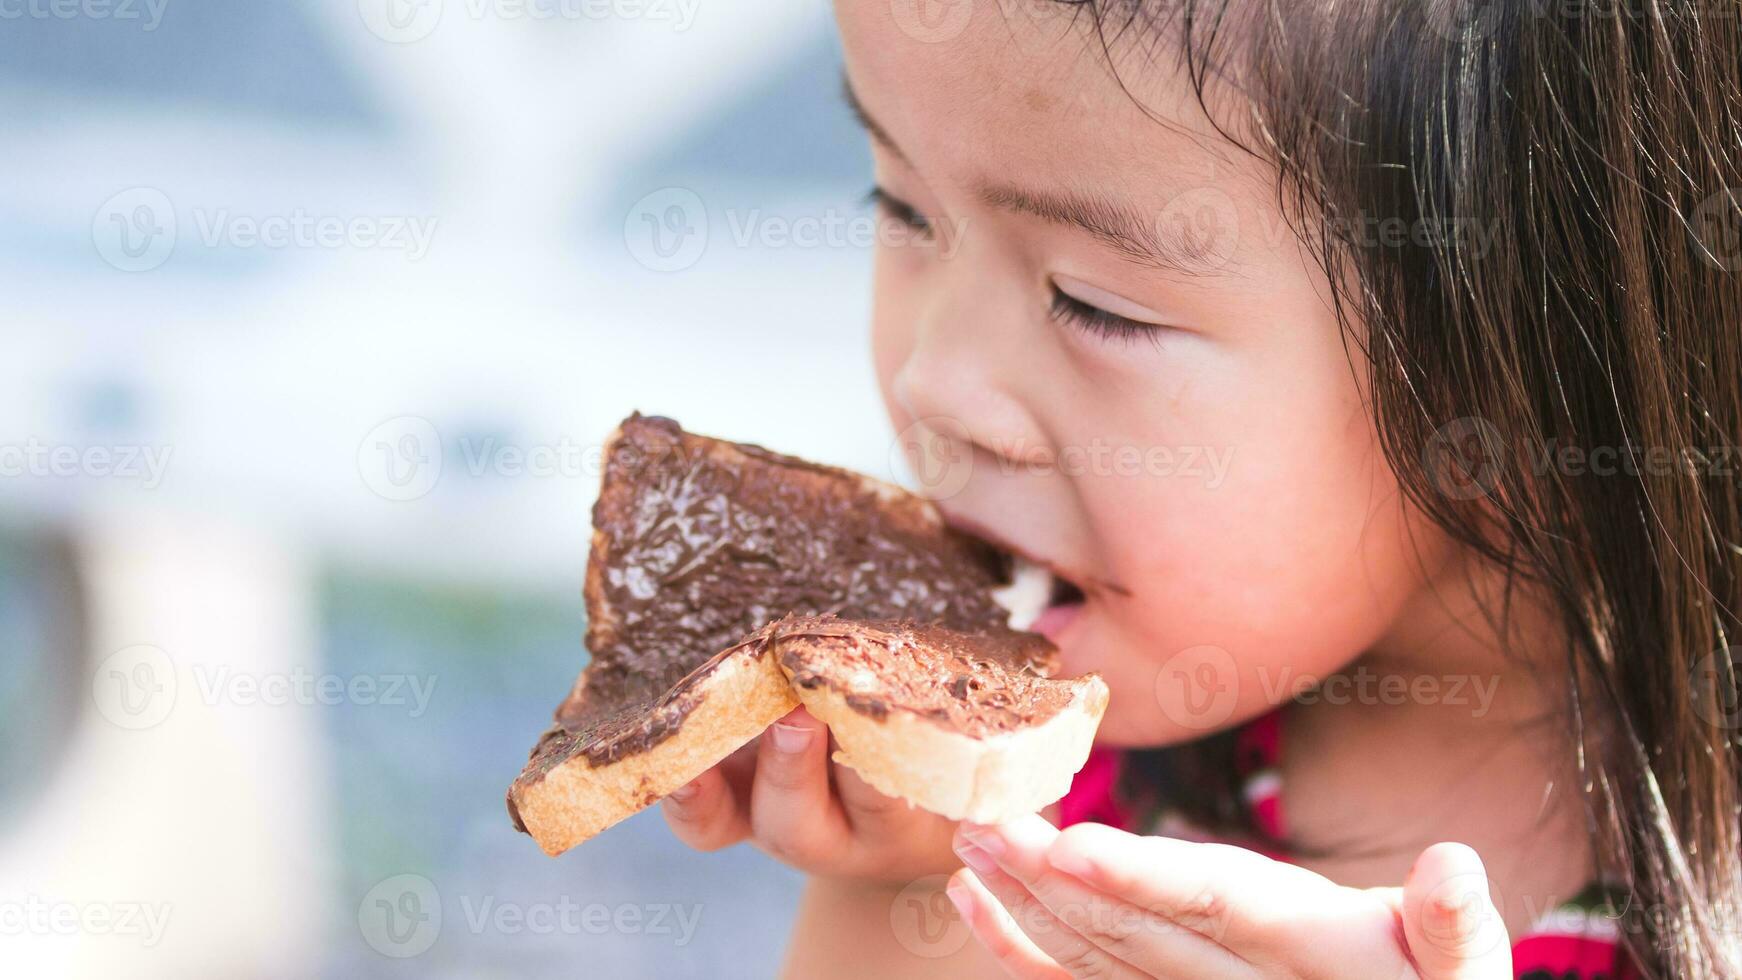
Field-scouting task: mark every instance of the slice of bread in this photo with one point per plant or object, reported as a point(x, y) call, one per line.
point(966, 725)
point(702, 552)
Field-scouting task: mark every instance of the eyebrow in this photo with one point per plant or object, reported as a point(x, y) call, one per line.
point(1181, 250)
point(1171, 246)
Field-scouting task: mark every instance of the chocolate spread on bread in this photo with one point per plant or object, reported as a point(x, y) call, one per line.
point(698, 544)
point(976, 683)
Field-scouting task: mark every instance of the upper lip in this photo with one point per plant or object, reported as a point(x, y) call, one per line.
point(1088, 584)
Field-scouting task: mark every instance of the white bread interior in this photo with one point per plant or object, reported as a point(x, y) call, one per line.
point(745, 694)
point(987, 779)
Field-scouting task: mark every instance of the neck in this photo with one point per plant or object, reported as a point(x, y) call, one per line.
point(1450, 728)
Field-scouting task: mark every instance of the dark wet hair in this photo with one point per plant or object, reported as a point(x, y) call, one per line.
point(1595, 149)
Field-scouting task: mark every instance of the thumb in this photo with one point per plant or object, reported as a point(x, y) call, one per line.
point(1455, 932)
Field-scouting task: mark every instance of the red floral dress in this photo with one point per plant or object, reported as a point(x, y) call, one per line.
point(1579, 940)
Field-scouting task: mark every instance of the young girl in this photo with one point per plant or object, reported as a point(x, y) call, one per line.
point(1369, 374)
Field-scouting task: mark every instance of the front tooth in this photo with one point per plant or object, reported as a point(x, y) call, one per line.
point(1027, 595)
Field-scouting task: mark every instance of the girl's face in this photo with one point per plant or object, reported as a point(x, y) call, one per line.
point(1104, 313)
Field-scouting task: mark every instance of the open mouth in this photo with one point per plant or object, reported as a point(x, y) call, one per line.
point(1065, 592)
point(1067, 601)
point(1040, 599)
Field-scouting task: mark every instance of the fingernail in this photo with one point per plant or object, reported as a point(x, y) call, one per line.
point(976, 858)
point(987, 837)
point(684, 792)
point(961, 898)
point(791, 738)
point(1071, 863)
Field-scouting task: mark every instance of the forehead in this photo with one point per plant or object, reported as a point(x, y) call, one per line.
point(1023, 90)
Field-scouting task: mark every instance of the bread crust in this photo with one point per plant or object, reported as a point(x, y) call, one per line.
point(576, 800)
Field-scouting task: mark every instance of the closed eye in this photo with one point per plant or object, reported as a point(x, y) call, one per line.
point(898, 210)
point(1093, 320)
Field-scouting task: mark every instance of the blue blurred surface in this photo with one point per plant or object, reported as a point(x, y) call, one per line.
point(425, 796)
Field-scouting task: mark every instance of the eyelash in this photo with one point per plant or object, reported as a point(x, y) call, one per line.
point(1094, 320)
point(1065, 308)
point(897, 210)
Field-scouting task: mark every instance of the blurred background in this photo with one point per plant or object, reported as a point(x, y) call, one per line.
point(315, 315)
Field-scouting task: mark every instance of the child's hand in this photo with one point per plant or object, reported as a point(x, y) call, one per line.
point(777, 793)
point(1092, 901)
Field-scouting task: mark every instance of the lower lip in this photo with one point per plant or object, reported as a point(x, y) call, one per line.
point(1054, 620)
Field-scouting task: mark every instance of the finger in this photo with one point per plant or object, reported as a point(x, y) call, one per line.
point(1077, 954)
point(992, 926)
point(1114, 926)
point(1449, 918)
point(705, 814)
point(1227, 894)
point(871, 816)
point(793, 812)
point(864, 805)
point(1019, 845)
point(740, 767)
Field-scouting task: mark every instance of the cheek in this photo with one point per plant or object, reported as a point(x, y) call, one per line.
point(1256, 564)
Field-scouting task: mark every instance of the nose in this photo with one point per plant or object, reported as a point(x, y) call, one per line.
point(961, 378)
